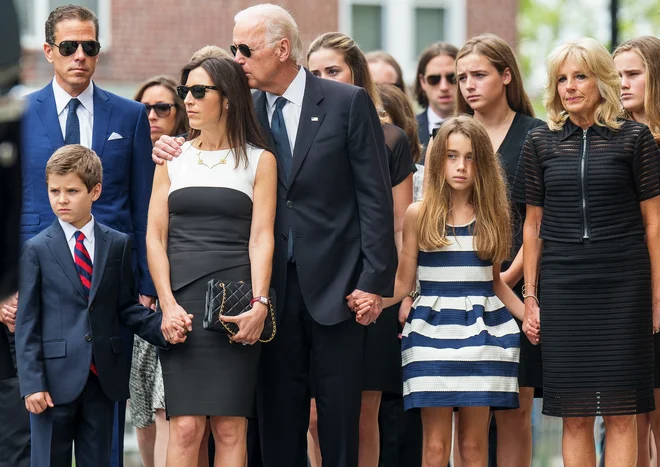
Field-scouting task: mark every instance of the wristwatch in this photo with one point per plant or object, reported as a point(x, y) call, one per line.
point(260, 299)
point(414, 294)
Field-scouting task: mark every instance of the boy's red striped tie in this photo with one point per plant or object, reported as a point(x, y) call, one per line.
point(84, 267)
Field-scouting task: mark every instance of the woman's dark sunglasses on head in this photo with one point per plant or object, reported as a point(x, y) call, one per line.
point(198, 91)
point(162, 109)
point(67, 48)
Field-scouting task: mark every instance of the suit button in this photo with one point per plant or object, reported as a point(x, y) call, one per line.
point(289, 204)
point(284, 237)
point(88, 337)
point(91, 308)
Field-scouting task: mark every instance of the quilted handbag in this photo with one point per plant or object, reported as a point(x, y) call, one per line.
point(232, 298)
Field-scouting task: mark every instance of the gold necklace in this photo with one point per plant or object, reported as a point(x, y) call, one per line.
point(511, 112)
point(200, 161)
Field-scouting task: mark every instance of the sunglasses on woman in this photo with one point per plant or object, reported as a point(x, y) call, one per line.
point(162, 109)
point(67, 48)
point(434, 80)
point(198, 91)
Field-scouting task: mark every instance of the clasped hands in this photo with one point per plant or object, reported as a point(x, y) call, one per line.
point(531, 325)
point(366, 306)
point(176, 324)
point(8, 309)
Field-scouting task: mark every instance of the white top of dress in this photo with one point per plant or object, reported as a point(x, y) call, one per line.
point(186, 171)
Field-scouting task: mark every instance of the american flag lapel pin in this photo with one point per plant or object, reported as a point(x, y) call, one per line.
point(315, 119)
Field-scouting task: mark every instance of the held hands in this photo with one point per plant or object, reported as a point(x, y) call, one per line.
point(176, 324)
point(8, 312)
point(366, 306)
point(166, 149)
point(38, 402)
point(531, 321)
point(250, 324)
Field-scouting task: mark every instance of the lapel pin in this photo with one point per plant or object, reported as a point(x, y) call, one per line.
point(315, 119)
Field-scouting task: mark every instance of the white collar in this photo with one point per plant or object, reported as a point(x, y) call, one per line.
point(434, 118)
point(62, 97)
point(294, 93)
point(70, 230)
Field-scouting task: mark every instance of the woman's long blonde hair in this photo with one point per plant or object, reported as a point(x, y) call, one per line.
point(648, 48)
point(492, 228)
point(595, 60)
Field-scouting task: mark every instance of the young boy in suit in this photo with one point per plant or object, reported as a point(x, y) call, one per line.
point(76, 286)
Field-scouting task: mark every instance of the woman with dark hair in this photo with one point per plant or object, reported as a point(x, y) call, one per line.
point(167, 116)
point(638, 63)
point(491, 89)
point(336, 56)
point(435, 83)
point(211, 216)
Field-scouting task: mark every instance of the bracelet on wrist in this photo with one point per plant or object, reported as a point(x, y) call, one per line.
point(531, 295)
point(526, 287)
point(414, 294)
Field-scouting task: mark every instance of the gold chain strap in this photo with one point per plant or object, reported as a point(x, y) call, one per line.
point(232, 333)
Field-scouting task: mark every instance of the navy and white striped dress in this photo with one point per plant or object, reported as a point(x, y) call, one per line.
point(460, 345)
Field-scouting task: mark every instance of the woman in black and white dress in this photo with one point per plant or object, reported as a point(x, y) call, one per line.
point(211, 217)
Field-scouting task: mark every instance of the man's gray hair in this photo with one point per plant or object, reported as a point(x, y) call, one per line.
point(279, 25)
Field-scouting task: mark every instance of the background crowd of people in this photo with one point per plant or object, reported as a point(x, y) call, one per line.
point(431, 273)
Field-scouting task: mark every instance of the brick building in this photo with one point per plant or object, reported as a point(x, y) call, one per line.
point(141, 38)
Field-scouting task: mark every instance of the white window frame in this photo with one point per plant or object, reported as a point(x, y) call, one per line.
point(398, 26)
point(34, 39)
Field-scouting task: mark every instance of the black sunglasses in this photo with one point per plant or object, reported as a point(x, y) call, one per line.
point(91, 48)
point(245, 50)
point(434, 80)
point(198, 91)
point(162, 109)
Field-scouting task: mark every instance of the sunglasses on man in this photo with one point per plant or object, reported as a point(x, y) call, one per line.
point(67, 48)
point(198, 91)
point(246, 50)
point(434, 80)
point(162, 109)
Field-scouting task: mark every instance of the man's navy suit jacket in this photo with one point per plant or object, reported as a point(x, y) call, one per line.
point(127, 168)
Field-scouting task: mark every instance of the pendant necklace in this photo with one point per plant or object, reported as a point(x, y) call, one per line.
point(200, 161)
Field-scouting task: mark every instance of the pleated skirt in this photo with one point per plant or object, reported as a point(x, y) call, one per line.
point(596, 328)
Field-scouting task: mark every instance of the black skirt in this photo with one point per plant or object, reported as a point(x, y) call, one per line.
point(208, 375)
point(596, 328)
point(382, 354)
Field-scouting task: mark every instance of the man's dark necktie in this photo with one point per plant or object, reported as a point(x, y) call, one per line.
point(72, 131)
point(283, 148)
point(84, 267)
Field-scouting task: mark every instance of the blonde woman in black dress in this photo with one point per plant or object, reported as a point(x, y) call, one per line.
point(591, 182)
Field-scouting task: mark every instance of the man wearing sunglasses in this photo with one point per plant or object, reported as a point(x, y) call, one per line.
point(334, 239)
point(435, 86)
point(73, 110)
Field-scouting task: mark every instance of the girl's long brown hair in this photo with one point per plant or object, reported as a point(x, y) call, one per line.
point(181, 117)
point(492, 228)
point(400, 111)
point(648, 48)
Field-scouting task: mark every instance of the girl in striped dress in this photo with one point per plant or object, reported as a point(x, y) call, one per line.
point(460, 344)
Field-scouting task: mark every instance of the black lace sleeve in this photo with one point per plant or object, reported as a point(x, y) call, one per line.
point(646, 166)
point(529, 187)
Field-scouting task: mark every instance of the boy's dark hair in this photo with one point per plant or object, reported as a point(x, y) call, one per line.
point(68, 12)
point(77, 159)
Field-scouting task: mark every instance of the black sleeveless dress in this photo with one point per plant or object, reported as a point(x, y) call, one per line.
point(209, 231)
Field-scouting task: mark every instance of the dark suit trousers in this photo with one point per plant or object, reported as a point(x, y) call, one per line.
point(87, 421)
point(284, 397)
point(14, 426)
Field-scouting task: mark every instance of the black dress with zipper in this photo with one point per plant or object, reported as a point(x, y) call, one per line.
point(596, 315)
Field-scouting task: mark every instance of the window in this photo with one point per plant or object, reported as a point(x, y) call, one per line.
point(33, 14)
point(367, 28)
point(429, 27)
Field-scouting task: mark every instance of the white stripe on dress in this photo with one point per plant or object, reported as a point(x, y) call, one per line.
point(459, 303)
point(455, 273)
point(465, 354)
point(458, 331)
point(460, 384)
